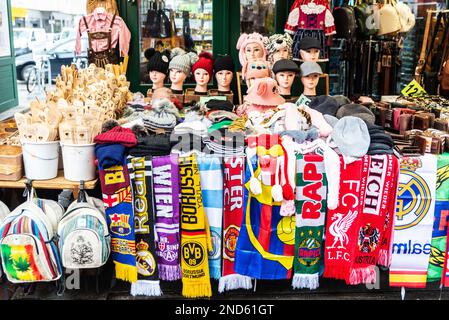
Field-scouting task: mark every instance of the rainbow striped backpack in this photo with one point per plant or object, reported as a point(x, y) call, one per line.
point(27, 242)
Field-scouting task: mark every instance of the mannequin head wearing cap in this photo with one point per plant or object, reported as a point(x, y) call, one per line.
point(157, 66)
point(202, 71)
point(285, 72)
point(310, 49)
point(224, 72)
point(180, 67)
point(310, 75)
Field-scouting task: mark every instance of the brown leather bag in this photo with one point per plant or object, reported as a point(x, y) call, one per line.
point(423, 121)
point(441, 124)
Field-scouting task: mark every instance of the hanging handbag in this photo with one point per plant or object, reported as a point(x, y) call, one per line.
point(152, 24)
point(388, 19)
point(406, 16)
point(365, 18)
point(422, 57)
point(165, 24)
point(345, 22)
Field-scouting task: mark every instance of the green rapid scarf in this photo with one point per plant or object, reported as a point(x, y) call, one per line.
point(311, 185)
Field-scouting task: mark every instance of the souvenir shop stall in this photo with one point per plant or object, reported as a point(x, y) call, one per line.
point(219, 177)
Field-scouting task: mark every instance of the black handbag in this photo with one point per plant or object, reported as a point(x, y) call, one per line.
point(165, 25)
point(152, 24)
point(364, 15)
point(345, 22)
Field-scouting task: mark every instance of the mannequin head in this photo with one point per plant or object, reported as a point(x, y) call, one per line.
point(224, 72)
point(177, 78)
point(202, 79)
point(157, 66)
point(251, 47)
point(224, 79)
point(279, 46)
point(310, 75)
point(157, 78)
point(310, 49)
point(285, 72)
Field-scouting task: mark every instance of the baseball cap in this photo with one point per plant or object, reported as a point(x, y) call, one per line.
point(309, 43)
point(309, 67)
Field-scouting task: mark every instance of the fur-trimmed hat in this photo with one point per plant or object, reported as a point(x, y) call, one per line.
point(277, 42)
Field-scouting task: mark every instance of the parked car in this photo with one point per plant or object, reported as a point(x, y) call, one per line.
point(28, 39)
point(61, 53)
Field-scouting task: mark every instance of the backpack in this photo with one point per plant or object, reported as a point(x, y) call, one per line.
point(345, 23)
point(28, 250)
point(84, 239)
point(152, 24)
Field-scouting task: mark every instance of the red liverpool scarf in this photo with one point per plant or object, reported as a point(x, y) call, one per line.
point(233, 214)
point(376, 191)
point(341, 226)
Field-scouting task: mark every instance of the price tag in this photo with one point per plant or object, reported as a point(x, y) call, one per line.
point(413, 89)
point(303, 100)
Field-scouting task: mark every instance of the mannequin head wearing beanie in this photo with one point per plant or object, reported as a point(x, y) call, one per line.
point(157, 66)
point(180, 66)
point(202, 71)
point(279, 46)
point(310, 49)
point(310, 75)
point(224, 72)
point(285, 72)
point(251, 47)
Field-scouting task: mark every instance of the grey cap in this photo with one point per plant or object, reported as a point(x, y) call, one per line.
point(310, 67)
point(351, 136)
point(356, 110)
point(180, 60)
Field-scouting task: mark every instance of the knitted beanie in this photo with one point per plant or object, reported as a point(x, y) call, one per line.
point(246, 39)
point(157, 61)
point(180, 60)
point(113, 156)
point(224, 63)
point(163, 115)
point(206, 62)
point(120, 135)
point(215, 104)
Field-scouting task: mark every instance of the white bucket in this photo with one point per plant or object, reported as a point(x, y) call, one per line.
point(40, 159)
point(79, 161)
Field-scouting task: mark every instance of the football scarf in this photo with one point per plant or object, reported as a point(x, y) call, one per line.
point(379, 172)
point(142, 189)
point(266, 240)
point(341, 227)
point(445, 277)
point(117, 198)
point(384, 258)
point(195, 233)
point(232, 220)
point(413, 222)
point(311, 185)
point(211, 176)
point(166, 200)
point(439, 233)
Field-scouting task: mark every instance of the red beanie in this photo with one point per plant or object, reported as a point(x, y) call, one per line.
point(206, 62)
point(118, 134)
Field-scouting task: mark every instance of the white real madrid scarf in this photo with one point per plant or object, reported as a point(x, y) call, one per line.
point(413, 222)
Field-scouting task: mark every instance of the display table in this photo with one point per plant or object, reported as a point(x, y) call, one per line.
point(58, 183)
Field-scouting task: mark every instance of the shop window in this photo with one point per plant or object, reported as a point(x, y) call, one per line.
point(257, 16)
point(174, 23)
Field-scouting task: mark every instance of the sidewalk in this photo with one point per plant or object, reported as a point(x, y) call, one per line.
point(24, 100)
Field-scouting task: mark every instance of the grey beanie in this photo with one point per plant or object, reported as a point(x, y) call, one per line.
point(181, 60)
point(330, 119)
point(163, 115)
point(356, 110)
point(351, 136)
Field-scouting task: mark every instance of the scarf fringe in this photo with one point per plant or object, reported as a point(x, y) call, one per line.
point(170, 273)
point(233, 282)
point(363, 275)
point(215, 273)
point(146, 288)
point(197, 290)
point(309, 281)
point(383, 258)
point(125, 272)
